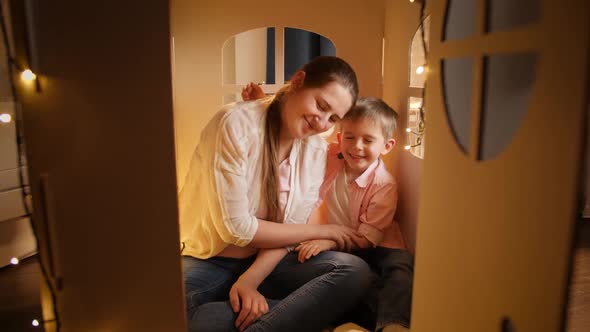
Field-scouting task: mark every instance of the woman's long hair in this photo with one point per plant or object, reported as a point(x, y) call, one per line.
point(318, 73)
point(270, 162)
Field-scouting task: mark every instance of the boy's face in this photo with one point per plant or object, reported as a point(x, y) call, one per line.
point(361, 143)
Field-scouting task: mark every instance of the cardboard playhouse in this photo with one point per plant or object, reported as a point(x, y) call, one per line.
point(488, 200)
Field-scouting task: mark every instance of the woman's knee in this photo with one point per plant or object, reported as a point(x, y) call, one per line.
point(355, 267)
point(204, 282)
point(212, 317)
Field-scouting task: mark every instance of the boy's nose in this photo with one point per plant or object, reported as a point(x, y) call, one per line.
point(358, 144)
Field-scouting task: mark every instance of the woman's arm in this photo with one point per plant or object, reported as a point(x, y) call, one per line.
point(235, 224)
point(277, 235)
point(244, 296)
point(312, 248)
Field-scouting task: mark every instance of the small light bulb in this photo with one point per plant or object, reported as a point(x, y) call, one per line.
point(14, 261)
point(5, 117)
point(408, 130)
point(420, 70)
point(28, 75)
point(407, 147)
point(412, 1)
point(35, 322)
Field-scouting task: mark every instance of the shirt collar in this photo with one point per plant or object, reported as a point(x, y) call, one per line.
point(364, 179)
point(293, 153)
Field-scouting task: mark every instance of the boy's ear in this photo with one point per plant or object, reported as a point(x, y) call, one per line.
point(339, 137)
point(389, 144)
point(297, 80)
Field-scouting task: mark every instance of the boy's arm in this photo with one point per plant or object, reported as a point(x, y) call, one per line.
point(311, 248)
point(379, 214)
point(244, 296)
point(320, 216)
point(363, 243)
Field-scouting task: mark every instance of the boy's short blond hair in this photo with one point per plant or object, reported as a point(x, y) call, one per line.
point(376, 110)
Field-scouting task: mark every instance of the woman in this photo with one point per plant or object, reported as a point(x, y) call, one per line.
point(253, 182)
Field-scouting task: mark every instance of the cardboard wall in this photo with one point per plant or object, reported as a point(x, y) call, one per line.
point(101, 154)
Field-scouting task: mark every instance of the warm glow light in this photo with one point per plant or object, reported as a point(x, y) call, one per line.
point(407, 147)
point(35, 322)
point(408, 130)
point(420, 70)
point(14, 261)
point(28, 75)
point(412, 1)
point(5, 117)
point(415, 106)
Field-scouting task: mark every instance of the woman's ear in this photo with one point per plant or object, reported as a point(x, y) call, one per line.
point(388, 146)
point(297, 80)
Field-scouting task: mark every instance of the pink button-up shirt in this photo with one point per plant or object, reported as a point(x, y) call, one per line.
point(372, 199)
point(284, 183)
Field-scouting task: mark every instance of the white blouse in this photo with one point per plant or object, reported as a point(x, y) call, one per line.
point(222, 191)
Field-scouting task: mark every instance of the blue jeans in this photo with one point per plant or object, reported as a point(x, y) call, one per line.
point(301, 296)
point(389, 299)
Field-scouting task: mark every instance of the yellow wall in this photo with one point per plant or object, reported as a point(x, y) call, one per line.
point(200, 28)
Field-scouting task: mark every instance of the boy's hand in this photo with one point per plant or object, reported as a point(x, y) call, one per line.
point(252, 91)
point(345, 237)
point(245, 298)
point(311, 248)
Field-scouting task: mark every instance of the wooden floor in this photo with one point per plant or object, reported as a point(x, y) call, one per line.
point(19, 291)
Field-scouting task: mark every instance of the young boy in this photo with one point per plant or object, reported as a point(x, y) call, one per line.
point(359, 192)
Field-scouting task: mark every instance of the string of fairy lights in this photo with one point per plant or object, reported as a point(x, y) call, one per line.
point(420, 70)
point(27, 77)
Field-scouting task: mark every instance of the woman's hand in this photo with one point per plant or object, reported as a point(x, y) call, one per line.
point(245, 298)
point(252, 91)
point(345, 237)
point(312, 248)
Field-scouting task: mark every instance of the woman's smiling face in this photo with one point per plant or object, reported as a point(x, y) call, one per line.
point(310, 111)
